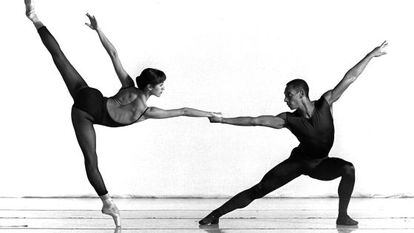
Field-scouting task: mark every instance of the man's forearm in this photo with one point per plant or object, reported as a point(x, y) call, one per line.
point(355, 71)
point(240, 121)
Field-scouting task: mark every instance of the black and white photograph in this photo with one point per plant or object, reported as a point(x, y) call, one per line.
point(218, 116)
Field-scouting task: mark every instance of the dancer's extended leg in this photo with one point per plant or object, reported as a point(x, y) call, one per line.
point(332, 168)
point(74, 82)
point(274, 179)
point(85, 133)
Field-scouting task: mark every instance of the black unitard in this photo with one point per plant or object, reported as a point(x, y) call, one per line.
point(93, 102)
point(89, 108)
point(316, 136)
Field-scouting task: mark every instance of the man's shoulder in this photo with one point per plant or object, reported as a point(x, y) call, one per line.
point(322, 101)
point(282, 115)
point(285, 115)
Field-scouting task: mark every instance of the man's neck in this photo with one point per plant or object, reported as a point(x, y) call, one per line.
point(307, 108)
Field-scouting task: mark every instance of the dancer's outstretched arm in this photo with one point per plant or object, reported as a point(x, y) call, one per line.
point(276, 122)
point(350, 76)
point(123, 76)
point(158, 113)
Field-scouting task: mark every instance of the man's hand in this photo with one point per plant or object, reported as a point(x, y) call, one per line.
point(216, 118)
point(379, 51)
point(94, 24)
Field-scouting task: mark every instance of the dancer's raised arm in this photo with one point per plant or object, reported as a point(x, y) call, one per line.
point(350, 76)
point(123, 76)
point(276, 122)
point(158, 113)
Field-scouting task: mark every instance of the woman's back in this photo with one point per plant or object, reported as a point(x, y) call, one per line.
point(127, 105)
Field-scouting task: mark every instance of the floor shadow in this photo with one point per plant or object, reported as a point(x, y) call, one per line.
point(211, 228)
point(216, 229)
point(346, 229)
point(117, 230)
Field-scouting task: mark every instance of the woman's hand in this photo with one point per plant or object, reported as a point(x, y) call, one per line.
point(93, 23)
point(216, 114)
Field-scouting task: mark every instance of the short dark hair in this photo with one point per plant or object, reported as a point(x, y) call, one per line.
point(150, 76)
point(299, 84)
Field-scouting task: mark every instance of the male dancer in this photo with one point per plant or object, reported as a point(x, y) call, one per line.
point(312, 124)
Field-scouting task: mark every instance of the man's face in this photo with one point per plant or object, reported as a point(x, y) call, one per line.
point(292, 97)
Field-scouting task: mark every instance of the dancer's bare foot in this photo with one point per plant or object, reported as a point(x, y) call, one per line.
point(112, 211)
point(345, 220)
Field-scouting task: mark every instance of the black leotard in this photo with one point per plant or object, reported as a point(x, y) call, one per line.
point(315, 134)
point(93, 102)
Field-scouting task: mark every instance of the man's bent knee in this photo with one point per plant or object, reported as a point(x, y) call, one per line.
point(349, 170)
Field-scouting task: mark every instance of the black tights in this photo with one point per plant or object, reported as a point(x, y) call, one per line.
point(82, 121)
point(283, 173)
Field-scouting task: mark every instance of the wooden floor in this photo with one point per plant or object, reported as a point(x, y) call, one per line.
point(75, 215)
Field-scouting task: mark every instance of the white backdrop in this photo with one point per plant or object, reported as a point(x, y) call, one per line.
point(229, 56)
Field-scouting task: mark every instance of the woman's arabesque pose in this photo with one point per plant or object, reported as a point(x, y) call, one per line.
point(90, 107)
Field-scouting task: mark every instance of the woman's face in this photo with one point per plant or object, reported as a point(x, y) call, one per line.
point(157, 89)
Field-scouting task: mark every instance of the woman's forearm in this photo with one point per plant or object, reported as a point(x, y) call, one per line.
point(191, 112)
point(106, 43)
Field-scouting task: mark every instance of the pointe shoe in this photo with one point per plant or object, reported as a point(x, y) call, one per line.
point(209, 220)
point(346, 221)
point(113, 211)
point(118, 230)
point(30, 12)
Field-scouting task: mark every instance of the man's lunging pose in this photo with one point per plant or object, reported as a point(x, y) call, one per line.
point(312, 124)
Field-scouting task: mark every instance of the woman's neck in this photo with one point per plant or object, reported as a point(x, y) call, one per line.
point(144, 95)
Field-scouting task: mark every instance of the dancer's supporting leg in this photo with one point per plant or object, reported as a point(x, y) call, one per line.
point(280, 175)
point(81, 120)
point(85, 133)
point(332, 168)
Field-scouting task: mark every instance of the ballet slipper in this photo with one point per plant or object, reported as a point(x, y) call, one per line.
point(112, 211)
point(209, 220)
point(345, 220)
point(30, 12)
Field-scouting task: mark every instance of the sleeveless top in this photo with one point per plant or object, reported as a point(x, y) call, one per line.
point(92, 101)
point(315, 134)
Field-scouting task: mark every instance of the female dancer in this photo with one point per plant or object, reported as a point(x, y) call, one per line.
point(128, 106)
